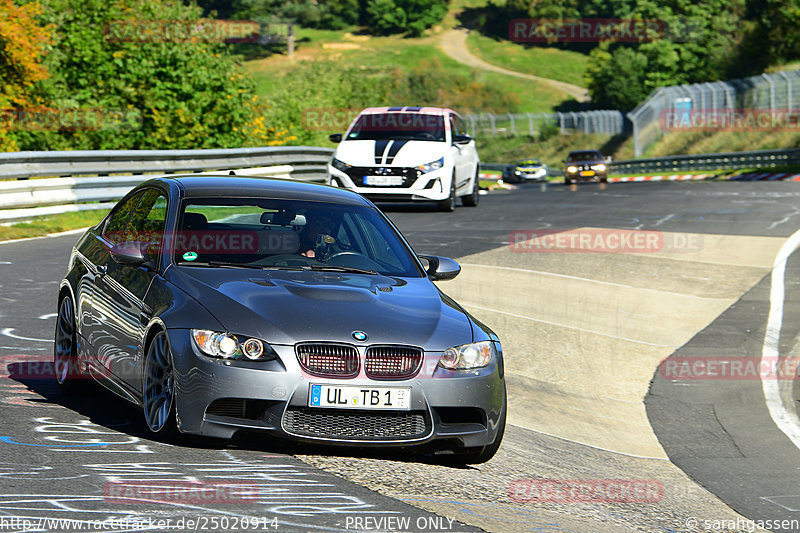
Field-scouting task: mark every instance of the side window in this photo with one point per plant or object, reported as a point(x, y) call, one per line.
point(115, 227)
point(462, 130)
point(148, 219)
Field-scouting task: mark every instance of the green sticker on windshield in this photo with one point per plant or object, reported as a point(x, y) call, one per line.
point(190, 256)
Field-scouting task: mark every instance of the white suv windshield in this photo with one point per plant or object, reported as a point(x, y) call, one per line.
point(398, 126)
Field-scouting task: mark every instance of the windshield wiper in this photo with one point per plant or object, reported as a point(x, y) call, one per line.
point(249, 265)
point(334, 268)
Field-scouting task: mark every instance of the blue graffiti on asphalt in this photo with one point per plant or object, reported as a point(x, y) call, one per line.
point(8, 440)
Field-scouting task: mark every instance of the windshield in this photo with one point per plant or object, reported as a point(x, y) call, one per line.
point(267, 233)
point(398, 126)
point(589, 155)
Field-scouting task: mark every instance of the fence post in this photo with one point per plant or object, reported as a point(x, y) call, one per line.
point(530, 124)
point(771, 93)
point(788, 89)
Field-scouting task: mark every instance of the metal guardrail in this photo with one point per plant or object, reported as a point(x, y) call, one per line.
point(721, 161)
point(21, 197)
point(19, 165)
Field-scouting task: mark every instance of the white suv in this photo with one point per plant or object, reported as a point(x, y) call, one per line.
point(407, 154)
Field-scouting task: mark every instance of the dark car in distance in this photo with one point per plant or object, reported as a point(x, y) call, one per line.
point(221, 303)
point(525, 170)
point(585, 165)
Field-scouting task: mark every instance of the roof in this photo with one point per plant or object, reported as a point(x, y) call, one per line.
point(232, 186)
point(401, 109)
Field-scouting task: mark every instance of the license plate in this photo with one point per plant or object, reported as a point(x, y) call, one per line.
point(353, 397)
point(385, 181)
point(587, 173)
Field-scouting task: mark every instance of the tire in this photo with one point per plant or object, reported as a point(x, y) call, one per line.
point(472, 199)
point(449, 203)
point(65, 347)
point(482, 454)
point(567, 181)
point(603, 180)
point(158, 389)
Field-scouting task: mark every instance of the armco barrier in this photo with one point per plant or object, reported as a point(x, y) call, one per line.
point(21, 197)
point(722, 161)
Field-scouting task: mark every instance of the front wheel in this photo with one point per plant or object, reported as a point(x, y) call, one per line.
point(65, 350)
point(471, 200)
point(449, 203)
point(158, 389)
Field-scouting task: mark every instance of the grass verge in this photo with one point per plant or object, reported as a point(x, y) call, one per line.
point(546, 62)
point(51, 224)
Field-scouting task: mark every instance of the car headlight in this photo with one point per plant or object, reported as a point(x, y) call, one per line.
point(466, 356)
point(572, 168)
point(601, 167)
point(433, 165)
point(340, 165)
point(230, 346)
point(517, 172)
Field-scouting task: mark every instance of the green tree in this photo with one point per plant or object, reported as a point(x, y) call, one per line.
point(155, 74)
point(699, 42)
point(404, 16)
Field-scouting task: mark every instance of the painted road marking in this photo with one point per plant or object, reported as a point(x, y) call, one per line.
point(787, 421)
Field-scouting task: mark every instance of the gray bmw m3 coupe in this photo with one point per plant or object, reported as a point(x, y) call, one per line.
point(219, 304)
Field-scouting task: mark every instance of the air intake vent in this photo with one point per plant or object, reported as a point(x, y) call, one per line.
point(328, 360)
point(392, 362)
point(358, 425)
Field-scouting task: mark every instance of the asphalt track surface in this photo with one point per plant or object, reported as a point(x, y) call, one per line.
point(61, 457)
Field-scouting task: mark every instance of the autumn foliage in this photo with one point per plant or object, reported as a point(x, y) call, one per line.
point(23, 42)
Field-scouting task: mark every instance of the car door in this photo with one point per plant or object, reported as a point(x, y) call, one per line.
point(462, 158)
point(120, 291)
point(94, 255)
point(469, 151)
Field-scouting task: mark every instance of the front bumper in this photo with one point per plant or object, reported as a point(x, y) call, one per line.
point(218, 398)
point(431, 186)
point(584, 176)
point(534, 175)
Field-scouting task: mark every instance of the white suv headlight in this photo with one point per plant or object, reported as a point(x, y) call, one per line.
point(340, 165)
point(466, 356)
point(433, 165)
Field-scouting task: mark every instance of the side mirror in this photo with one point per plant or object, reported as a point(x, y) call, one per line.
point(335, 137)
point(462, 139)
point(132, 253)
point(441, 268)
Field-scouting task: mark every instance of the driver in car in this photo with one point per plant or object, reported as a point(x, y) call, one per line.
point(316, 235)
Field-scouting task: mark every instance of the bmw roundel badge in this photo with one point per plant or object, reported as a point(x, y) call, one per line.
point(359, 335)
